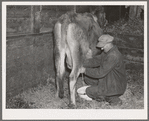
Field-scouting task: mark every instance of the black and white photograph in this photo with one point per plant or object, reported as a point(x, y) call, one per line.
point(74, 60)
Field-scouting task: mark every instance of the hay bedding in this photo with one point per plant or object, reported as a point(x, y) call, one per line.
point(43, 97)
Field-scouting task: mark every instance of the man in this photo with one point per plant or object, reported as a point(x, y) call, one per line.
point(105, 73)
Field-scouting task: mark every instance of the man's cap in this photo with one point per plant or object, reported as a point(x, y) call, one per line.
point(104, 39)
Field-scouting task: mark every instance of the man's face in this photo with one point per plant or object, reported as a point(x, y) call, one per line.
point(101, 45)
point(101, 48)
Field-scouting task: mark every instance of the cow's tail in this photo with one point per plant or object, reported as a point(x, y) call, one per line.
point(60, 53)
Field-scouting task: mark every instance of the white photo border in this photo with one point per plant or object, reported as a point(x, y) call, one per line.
point(89, 114)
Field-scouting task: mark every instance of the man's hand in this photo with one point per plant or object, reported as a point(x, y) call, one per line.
point(82, 70)
point(89, 54)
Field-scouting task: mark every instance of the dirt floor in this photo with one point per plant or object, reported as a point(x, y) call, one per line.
point(43, 96)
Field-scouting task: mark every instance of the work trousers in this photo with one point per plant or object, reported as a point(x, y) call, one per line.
point(96, 92)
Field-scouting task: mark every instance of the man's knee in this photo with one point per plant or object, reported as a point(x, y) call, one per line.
point(93, 92)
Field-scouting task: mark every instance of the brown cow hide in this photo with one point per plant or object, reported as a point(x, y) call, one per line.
point(86, 22)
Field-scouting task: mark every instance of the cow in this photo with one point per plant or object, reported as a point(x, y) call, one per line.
point(75, 39)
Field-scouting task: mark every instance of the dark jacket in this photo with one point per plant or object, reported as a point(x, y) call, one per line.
point(109, 69)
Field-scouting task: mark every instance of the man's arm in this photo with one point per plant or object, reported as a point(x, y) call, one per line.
point(93, 62)
point(103, 70)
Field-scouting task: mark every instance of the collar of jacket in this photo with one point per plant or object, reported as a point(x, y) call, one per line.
point(113, 48)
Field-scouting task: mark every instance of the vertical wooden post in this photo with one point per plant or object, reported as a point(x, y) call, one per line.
point(32, 19)
point(132, 12)
point(35, 19)
point(139, 10)
point(75, 9)
point(40, 8)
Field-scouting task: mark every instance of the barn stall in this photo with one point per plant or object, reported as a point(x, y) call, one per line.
point(30, 81)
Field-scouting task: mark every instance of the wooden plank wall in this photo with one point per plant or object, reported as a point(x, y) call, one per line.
point(29, 62)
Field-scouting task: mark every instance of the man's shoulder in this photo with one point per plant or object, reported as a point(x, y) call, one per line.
point(115, 54)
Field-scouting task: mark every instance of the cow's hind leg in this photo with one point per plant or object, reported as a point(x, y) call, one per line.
point(75, 56)
point(59, 52)
point(72, 84)
point(74, 76)
point(60, 72)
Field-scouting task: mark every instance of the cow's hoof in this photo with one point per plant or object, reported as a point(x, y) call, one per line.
point(71, 106)
point(61, 95)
